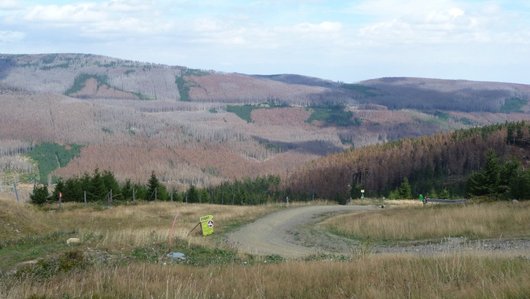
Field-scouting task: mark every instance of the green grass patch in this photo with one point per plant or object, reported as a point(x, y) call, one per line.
point(196, 255)
point(513, 105)
point(50, 156)
point(13, 252)
point(48, 267)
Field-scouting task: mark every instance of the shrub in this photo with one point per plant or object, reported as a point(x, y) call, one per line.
point(40, 194)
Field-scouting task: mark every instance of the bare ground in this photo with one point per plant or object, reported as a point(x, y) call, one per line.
point(294, 233)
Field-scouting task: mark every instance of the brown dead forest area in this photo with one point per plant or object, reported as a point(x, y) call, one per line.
point(134, 118)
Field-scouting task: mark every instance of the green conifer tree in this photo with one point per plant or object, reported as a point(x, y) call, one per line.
point(40, 194)
point(152, 187)
point(405, 190)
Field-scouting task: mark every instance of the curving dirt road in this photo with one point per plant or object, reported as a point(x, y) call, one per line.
point(288, 232)
point(292, 233)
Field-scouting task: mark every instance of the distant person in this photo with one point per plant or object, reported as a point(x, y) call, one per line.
point(421, 198)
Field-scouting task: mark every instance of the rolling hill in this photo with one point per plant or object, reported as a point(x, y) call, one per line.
point(203, 127)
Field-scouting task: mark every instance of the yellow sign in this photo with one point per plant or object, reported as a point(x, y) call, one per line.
point(207, 225)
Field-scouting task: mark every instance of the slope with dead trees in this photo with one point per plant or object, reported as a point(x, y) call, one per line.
point(442, 160)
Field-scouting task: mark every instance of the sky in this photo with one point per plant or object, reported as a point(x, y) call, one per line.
point(346, 41)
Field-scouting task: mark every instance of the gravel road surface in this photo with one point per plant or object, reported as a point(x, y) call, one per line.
point(293, 233)
point(285, 233)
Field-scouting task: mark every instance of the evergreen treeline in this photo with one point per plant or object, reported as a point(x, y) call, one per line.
point(99, 186)
point(501, 180)
point(246, 192)
point(103, 187)
point(434, 165)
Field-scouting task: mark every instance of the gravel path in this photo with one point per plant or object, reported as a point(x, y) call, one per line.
point(292, 233)
point(287, 232)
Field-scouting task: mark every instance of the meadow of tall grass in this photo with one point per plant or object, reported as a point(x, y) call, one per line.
point(123, 255)
point(386, 276)
point(416, 222)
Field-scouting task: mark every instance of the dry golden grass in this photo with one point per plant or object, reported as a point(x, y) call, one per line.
point(19, 220)
point(413, 222)
point(128, 226)
point(394, 276)
point(29, 233)
point(124, 226)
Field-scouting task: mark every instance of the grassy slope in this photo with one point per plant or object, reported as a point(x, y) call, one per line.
point(28, 233)
point(19, 221)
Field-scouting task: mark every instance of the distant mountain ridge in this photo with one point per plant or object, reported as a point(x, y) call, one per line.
point(90, 76)
point(99, 77)
point(462, 95)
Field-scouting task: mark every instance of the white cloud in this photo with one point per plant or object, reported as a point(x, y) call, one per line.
point(129, 6)
point(318, 28)
point(276, 35)
point(100, 19)
point(66, 14)
point(11, 36)
point(9, 4)
point(437, 22)
point(227, 33)
point(401, 8)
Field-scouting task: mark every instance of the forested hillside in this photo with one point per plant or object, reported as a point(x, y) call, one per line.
point(430, 163)
point(203, 128)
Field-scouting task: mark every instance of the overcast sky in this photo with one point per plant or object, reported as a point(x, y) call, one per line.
point(339, 40)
